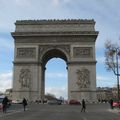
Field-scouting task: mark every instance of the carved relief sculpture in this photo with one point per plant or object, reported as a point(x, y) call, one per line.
point(25, 77)
point(82, 52)
point(26, 52)
point(83, 78)
point(44, 48)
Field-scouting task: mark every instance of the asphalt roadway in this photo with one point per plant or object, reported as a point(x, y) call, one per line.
point(60, 112)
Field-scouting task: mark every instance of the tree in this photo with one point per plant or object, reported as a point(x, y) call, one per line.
point(49, 96)
point(112, 60)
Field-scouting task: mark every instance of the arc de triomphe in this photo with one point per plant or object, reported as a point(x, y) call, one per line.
point(37, 41)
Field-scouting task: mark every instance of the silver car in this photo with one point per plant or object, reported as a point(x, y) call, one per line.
point(54, 102)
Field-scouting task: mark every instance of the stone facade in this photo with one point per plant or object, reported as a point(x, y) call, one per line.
point(37, 41)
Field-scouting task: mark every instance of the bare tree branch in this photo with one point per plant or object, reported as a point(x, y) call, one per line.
point(112, 57)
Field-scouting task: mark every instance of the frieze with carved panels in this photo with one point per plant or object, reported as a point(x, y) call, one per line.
point(82, 52)
point(44, 48)
point(26, 52)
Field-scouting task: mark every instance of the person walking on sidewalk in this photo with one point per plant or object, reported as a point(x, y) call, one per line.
point(24, 102)
point(83, 105)
point(5, 104)
point(111, 103)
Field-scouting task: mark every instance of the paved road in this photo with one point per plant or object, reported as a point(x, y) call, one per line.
point(60, 112)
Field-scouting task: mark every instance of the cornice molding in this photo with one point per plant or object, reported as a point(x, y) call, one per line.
point(81, 62)
point(73, 33)
point(55, 21)
point(83, 90)
point(26, 63)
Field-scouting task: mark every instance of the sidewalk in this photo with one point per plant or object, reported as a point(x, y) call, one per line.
point(115, 110)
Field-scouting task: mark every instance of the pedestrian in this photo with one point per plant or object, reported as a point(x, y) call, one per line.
point(24, 102)
point(83, 105)
point(5, 104)
point(111, 103)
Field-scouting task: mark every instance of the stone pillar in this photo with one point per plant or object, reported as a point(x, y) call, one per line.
point(40, 78)
point(43, 83)
point(81, 82)
point(82, 73)
point(25, 83)
point(25, 78)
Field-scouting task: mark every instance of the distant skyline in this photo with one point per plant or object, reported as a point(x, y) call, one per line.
point(105, 12)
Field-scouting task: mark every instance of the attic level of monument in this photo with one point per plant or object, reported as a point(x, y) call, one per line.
point(82, 30)
point(55, 26)
point(37, 41)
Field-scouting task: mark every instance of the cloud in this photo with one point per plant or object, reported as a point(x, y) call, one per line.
point(106, 81)
point(6, 44)
point(103, 78)
point(5, 81)
point(67, 1)
point(56, 75)
point(100, 59)
point(62, 91)
point(56, 2)
point(22, 2)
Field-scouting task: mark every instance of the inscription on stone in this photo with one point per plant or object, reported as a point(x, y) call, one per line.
point(82, 52)
point(26, 52)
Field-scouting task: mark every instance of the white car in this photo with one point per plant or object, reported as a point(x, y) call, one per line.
point(1, 106)
point(54, 102)
point(17, 101)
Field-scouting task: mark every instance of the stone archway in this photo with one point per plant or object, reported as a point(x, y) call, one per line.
point(47, 55)
point(37, 41)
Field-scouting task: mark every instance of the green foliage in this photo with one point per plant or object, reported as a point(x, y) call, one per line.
point(50, 96)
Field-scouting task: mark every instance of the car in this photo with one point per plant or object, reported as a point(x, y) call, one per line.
point(54, 102)
point(17, 101)
point(116, 104)
point(1, 106)
point(74, 102)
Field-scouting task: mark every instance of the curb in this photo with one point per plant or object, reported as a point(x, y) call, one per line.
point(114, 110)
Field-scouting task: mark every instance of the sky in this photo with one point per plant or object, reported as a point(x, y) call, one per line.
point(106, 13)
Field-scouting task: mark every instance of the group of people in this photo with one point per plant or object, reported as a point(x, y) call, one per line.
point(6, 103)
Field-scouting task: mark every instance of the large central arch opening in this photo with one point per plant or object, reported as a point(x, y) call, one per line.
point(55, 74)
point(56, 78)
